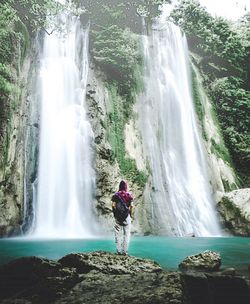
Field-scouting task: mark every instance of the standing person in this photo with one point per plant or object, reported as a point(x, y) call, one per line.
point(122, 209)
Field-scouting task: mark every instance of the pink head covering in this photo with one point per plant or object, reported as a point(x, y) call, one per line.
point(123, 186)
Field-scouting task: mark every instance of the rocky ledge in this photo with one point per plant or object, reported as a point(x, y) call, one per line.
point(102, 277)
point(204, 261)
point(234, 208)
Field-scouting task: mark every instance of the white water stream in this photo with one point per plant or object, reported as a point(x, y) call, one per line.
point(66, 179)
point(181, 195)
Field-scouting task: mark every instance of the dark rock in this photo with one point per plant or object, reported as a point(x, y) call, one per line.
point(105, 152)
point(102, 207)
point(146, 288)
point(110, 263)
point(102, 277)
point(212, 288)
point(196, 289)
point(91, 92)
point(16, 301)
point(36, 277)
point(204, 261)
point(229, 271)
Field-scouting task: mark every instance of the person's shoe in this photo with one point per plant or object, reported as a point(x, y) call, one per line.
point(119, 253)
point(124, 253)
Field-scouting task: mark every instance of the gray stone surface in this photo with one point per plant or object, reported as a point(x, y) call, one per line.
point(234, 208)
point(108, 174)
point(14, 148)
point(110, 263)
point(137, 288)
point(204, 261)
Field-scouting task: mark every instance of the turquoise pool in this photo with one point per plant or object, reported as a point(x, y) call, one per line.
point(167, 251)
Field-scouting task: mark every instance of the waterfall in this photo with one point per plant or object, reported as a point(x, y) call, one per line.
point(180, 193)
point(66, 179)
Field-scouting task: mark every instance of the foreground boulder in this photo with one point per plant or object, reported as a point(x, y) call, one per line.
point(215, 288)
point(205, 261)
point(140, 288)
point(36, 278)
point(102, 277)
point(109, 263)
point(234, 208)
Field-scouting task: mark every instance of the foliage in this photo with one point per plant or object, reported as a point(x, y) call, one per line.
point(116, 124)
point(218, 149)
point(233, 108)
point(117, 53)
point(212, 37)
point(225, 68)
point(242, 28)
point(197, 100)
point(16, 18)
point(113, 46)
point(33, 13)
point(5, 81)
point(116, 50)
point(131, 11)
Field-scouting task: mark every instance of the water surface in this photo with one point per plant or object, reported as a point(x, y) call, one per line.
point(167, 251)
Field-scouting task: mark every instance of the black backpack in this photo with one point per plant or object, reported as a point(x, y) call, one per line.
point(121, 210)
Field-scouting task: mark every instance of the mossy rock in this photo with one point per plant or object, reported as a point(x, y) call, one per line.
point(234, 209)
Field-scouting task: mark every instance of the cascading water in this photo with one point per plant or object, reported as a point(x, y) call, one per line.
point(66, 180)
point(181, 197)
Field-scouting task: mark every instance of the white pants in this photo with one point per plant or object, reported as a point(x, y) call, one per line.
point(122, 235)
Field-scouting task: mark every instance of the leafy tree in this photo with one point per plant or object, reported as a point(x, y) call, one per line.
point(233, 108)
point(212, 37)
point(116, 51)
point(114, 47)
point(18, 21)
point(131, 11)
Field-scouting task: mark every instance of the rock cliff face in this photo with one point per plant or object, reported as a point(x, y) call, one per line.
point(107, 170)
point(108, 173)
point(18, 152)
point(222, 175)
point(234, 208)
point(204, 261)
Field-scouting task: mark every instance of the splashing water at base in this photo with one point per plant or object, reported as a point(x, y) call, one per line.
point(181, 197)
point(66, 179)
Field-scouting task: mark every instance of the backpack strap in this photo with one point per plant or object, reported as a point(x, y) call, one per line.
point(121, 199)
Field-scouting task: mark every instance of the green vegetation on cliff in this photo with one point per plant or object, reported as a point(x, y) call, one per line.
point(116, 50)
point(115, 127)
point(18, 21)
point(224, 64)
point(113, 44)
point(197, 102)
point(199, 97)
point(128, 12)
